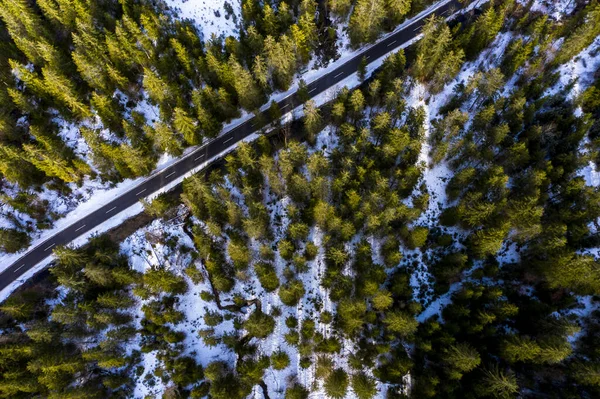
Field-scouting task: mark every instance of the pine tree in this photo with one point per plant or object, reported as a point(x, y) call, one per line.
point(362, 69)
point(396, 10)
point(16, 168)
point(363, 386)
point(366, 21)
point(400, 323)
point(382, 300)
point(498, 384)
point(259, 324)
point(25, 27)
point(186, 126)
point(461, 358)
point(249, 96)
point(336, 384)
point(291, 292)
point(270, 24)
point(261, 74)
point(280, 360)
point(281, 59)
point(165, 138)
point(312, 120)
point(62, 89)
point(432, 48)
point(340, 8)
point(296, 391)
point(302, 91)
point(158, 90)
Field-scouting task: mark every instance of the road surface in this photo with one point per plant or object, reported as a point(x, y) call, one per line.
point(213, 148)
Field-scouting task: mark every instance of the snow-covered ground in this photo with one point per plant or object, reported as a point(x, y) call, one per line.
point(556, 9)
point(211, 16)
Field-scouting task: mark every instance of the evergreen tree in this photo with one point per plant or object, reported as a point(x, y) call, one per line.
point(336, 384)
point(366, 21)
point(363, 386)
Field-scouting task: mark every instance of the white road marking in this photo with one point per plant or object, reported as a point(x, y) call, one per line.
point(311, 90)
point(285, 106)
point(392, 43)
point(229, 139)
point(442, 13)
point(49, 247)
point(111, 209)
point(79, 228)
point(367, 57)
point(140, 192)
point(418, 27)
point(341, 73)
point(17, 269)
point(170, 174)
point(197, 158)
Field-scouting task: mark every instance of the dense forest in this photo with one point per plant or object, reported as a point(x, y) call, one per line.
point(133, 82)
point(429, 234)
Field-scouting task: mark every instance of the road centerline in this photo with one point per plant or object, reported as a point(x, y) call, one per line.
point(111, 209)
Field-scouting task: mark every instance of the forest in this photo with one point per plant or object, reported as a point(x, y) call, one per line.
point(99, 91)
point(430, 233)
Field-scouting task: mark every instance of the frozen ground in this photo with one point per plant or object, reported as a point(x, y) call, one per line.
point(556, 9)
point(210, 16)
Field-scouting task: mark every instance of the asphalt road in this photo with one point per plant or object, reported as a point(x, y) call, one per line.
point(209, 150)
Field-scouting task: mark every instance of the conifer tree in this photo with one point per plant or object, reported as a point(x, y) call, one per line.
point(186, 126)
point(363, 386)
point(249, 96)
point(366, 21)
point(336, 384)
